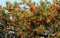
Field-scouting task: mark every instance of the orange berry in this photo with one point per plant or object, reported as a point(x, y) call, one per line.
point(19, 33)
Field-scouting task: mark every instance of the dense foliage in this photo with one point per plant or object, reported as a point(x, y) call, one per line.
point(32, 22)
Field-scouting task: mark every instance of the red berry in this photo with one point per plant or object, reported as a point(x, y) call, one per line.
point(13, 20)
point(3, 16)
point(17, 29)
point(0, 23)
point(28, 28)
point(33, 9)
point(18, 7)
point(36, 30)
point(19, 33)
point(25, 17)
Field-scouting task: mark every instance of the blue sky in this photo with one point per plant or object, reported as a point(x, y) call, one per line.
point(3, 2)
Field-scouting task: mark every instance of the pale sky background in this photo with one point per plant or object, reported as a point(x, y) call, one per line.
point(3, 2)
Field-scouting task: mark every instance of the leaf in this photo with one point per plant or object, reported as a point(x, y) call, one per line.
point(54, 1)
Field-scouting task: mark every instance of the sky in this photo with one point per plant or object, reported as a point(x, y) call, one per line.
point(3, 2)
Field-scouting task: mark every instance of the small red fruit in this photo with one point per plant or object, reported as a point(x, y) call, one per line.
point(36, 30)
point(33, 9)
point(0, 23)
point(18, 7)
point(13, 20)
point(3, 16)
point(19, 33)
point(28, 28)
point(17, 29)
point(25, 17)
